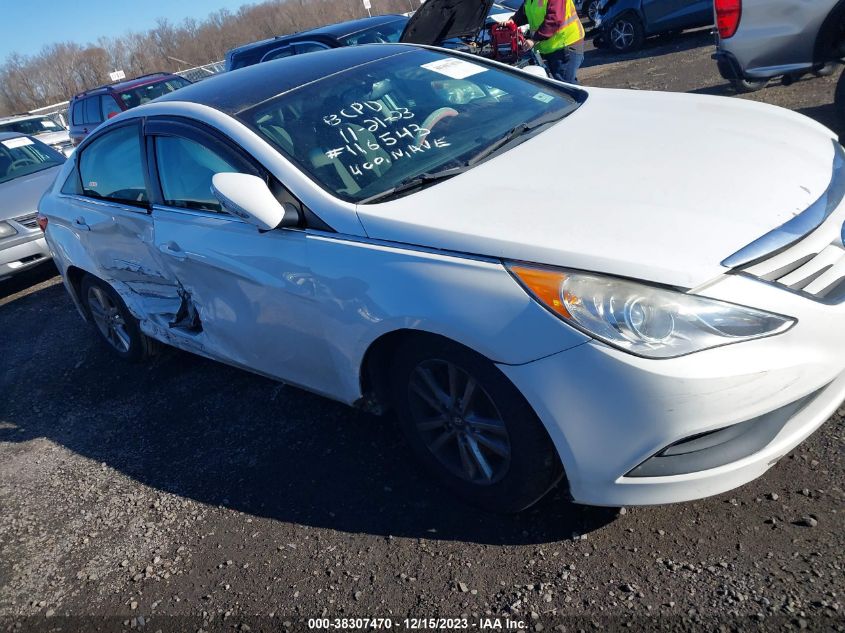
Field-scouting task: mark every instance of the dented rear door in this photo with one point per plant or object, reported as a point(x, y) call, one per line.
point(111, 217)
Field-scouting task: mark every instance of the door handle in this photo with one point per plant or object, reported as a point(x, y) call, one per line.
point(81, 224)
point(172, 249)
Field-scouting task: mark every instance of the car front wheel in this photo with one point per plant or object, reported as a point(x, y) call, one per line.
point(116, 326)
point(471, 427)
point(626, 34)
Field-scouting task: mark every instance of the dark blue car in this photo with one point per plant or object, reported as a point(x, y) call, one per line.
point(624, 25)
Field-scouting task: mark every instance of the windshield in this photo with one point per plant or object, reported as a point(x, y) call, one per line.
point(142, 94)
point(382, 34)
point(383, 123)
point(21, 156)
point(38, 125)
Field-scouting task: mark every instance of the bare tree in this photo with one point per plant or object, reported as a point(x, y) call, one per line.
point(60, 70)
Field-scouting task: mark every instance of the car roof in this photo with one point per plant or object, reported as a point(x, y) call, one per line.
point(342, 29)
point(4, 136)
point(331, 31)
point(143, 80)
point(20, 117)
point(237, 90)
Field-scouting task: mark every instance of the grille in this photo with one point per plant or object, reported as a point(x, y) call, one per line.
point(814, 267)
point(29, 220)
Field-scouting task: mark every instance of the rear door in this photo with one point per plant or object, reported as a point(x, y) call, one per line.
point(251, 294)
point(110, 216)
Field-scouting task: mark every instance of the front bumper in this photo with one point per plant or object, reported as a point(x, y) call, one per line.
point(19, 254)
point(609, 412)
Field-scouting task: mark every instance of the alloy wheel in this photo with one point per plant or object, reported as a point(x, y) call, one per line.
point(459, 423)
point(593, 10)
point(622, 35)
point(108, 319)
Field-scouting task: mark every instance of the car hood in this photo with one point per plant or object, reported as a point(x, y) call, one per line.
point(21, 195)
point(54, 138)
point(440, 20)
point(656, 186)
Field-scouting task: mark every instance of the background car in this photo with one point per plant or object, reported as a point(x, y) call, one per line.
point(382, 29)
point(624, 25)
point(377, 29)
point(759, 40)
point(27, 168)
point(46, 129)
point(88, 109)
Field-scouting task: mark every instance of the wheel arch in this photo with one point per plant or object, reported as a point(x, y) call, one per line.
point(830, 42)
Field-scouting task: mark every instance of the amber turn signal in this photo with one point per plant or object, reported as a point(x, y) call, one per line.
point(543, 284)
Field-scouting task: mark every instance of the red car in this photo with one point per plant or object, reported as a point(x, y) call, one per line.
point(88, 109)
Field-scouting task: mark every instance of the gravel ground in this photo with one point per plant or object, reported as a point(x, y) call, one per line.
point(186, 495)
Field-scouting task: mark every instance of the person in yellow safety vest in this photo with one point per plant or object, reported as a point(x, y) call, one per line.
point(556, 33)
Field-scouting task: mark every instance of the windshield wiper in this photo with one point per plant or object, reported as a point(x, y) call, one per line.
point(513, 134)
point(417, 182)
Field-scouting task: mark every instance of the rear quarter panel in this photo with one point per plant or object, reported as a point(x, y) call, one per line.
point(776, 37)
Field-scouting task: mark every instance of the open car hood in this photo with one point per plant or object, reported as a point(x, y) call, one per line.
point(440, 20)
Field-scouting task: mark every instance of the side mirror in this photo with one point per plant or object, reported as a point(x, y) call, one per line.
point(249, 198)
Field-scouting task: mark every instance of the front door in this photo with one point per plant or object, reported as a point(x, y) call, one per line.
point(251, 294)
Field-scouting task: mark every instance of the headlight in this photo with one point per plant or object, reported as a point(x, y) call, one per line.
point(641, 319)
point(6, 230)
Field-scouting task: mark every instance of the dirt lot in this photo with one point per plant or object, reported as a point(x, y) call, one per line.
point(185, 495)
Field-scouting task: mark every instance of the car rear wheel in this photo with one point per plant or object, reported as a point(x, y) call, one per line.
point(839, 98)
point(744, 86)
point(626, 34)
point(116, 326)
point(827, 70)
point(472, 429)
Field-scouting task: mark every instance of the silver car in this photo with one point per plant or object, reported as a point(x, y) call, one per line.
point(759, 40)
point(47, 129)
point(27, 168)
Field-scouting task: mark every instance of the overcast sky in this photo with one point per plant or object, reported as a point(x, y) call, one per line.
point(26, 26)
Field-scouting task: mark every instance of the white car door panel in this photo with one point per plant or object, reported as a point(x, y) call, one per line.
point(252, 292)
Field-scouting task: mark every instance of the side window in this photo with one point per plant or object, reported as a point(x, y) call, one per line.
point(185, 170)
point(287, 51)
point(111, 167)
point(77, 115)
point(92, 111)
point(110, 107)
point(309, 47)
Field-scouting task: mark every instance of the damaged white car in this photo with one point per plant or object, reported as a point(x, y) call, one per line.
point(398, 227)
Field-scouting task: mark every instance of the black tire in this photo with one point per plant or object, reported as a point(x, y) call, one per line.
point(116, 327)
point(744, 86)
point(592, 10)
point(827, 70)
point(839, 98)
point(626, 33)
point(513, 483)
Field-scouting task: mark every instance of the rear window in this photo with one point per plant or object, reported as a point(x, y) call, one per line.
point(382, 34)
point(143, 94)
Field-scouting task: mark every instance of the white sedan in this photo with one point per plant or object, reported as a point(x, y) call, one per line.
point(639, 295)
